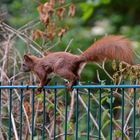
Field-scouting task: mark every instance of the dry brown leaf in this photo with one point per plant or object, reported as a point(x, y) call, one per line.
point(51, 31)
point(52, 3)
point(37, 34)
point(71, 10)
point(44, 12)
point(138, 106)
point(60, 13)
point(62, 32)
point(38, 106)
point(48, 7)
point(50, 36)
point(27, 107)
point(61, 1)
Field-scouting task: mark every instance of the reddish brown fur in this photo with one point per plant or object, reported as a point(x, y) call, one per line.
point(68, 65)
point(110, 47)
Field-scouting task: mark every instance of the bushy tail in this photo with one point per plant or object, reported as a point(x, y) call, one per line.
point(110, 47)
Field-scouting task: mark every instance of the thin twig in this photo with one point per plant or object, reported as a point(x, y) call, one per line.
point(14, 127)
point(68, 45)
point(14, 31)
point(103, 68)
point(127, 120)
point(91, 116)
point(71, 105)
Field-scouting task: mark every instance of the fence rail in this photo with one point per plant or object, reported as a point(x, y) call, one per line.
point(92, 112)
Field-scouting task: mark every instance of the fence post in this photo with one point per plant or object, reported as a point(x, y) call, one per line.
point(21, 97)
point(76, 130)
point(99, 121)
point(44, 109)
point(55, 91)
point(33, 91)
point(10, 111)
point(66, 114)
point(0, 108)
point(122, 112)
point(111, 114)
point(88, 115)
point(134, 112)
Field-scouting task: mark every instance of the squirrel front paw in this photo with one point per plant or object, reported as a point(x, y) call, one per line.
point(69, 87)
point(39, 89)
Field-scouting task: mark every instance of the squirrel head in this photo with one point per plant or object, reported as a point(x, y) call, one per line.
point(28, 63)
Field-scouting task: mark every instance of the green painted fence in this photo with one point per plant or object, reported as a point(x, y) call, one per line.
point(9, 131)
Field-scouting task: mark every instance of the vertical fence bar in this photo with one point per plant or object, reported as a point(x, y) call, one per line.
point(21, 97)
point(33, 91)
point(66, 114)
point(55, 92)
point(44, 108)
point(0, 105)
point(76, 130)
point(111, 115)
point(99, 121)
point(0, 109)
point(88, 115)
point(134, 112)
point(10, 111)
point(122, 113)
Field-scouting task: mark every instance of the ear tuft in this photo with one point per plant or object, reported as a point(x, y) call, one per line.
point(46, 53)
point(27, 58)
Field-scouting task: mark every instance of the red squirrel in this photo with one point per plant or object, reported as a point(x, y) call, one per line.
point(69, 66)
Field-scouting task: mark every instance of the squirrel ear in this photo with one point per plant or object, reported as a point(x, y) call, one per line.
point(46, 53)
point(27, 58)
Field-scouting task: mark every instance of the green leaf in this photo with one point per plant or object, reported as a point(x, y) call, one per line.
point(88, 9)
point(104, 99)
point(109, 100)
point(105, 124)
point(114, 66)
point(117, 133)
point(104, 115)
point(117, 108)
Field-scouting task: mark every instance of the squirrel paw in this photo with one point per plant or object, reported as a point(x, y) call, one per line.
point(39, 89)
point(68, 87)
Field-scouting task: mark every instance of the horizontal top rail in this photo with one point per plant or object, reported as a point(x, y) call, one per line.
point(64, 87)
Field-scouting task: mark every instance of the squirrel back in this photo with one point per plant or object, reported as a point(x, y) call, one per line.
point(110, 47)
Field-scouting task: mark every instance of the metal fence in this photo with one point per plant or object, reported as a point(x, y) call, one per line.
point(99, 121)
